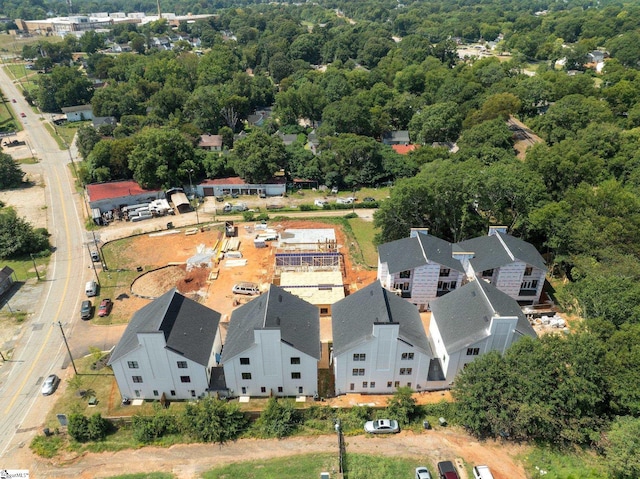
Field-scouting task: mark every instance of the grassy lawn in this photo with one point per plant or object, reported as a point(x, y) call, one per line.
point(563, 465)
point(357, 466)
point(8, 120)
point(68, 130)
point(23, 268)
point(13, 43)
point(113, 284)
point(364, 233)
point(55, 136)
point(150, 475)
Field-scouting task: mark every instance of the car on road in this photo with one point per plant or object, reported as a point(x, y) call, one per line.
point(23, 115)
point(95, 256)
point(85, 309)
point(13, 100)
point(105, 307)
point(382, 426)
point(422, 473)
point(447, 470)
point(50, 385)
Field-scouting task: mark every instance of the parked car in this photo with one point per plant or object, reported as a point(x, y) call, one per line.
point(447, 470)
point(369, 199)
point(95, 256)
point(422, 473)
point(50, 385)
point(482, 472)
point(334, 190)
point(23, 115)
point(105, 307)
point(382, 426)
point(320, 203)
point(219, 199)
point(85, 309)
point(246, 288)
point(344, 201)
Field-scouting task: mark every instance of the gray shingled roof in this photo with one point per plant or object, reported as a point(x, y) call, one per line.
point(189, 328)
point(464, 315)
point(491, 253)
point(297, 320)
point(354, 316)
point(410, 253)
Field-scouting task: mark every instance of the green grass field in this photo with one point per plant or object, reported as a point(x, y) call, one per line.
point(364, 233)
point(554, 464)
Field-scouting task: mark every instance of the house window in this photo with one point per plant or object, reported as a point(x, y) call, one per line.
point(279, 389)
point(372, 384)
point(528, 270)
point(408, 385)
point(173, 393)
point(389, 384)
point(300, 390)
point(182, 365)
point(185, 379)
point(359, 357)
point(405, 274)
point(244, 361)
point(246, 376)
point(352, 386)
point(137, 379)
point(244, 390)
point(487, 273)
point(295, 360)
point(364, 384)
point(405, 371)
point(193, 393)
point(155, 392)
point(324, 310)
point(407, 356)
point(295, 375)
point(358, 372)
point(132, 364)
point(445, 272)
point(473, 351)
point(137, 393)
point(263, 389)
point(530, 284)
point(396, 384)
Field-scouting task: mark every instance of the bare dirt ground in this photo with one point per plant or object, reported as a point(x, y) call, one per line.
point(190, 461)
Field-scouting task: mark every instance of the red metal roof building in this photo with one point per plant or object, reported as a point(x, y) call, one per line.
point(108, 196)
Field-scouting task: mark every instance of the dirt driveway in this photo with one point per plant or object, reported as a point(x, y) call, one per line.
point(190, 461)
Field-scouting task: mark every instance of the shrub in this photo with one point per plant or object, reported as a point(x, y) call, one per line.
point(279, 419)
point(46, 446)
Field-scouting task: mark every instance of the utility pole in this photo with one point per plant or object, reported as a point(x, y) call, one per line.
point(67, 345)
point(35, 266)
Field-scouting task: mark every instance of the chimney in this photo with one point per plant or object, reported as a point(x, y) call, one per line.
point(497, 229)
point(415, 231)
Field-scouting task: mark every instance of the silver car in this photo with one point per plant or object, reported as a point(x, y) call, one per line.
point(50, 385)
point(382, 426)
point(422, 473)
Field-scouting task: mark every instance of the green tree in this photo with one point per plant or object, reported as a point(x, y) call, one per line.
point(623, 377)
point(257, 157)
point(622, 448)
point(357, 160)
point(11, 174)
point(65, 87)
point(78, 427)
point(438, 122)
point(402, 406)
point(87, 137)
point(214, 420)
point(278, 419)
point(18, 237)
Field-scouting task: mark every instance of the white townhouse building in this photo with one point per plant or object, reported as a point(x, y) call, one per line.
point(168, 348)
point(421, 267)
point(471, 321)
point(272, 347)
point(380, 344)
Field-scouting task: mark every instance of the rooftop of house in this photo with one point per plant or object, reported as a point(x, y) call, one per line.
point(297, 321)
point(354, 317)
point(464, 316)
point(499, 249)
point(115, 189)
point(189, 328)
point(212, 141)
point(409, 253)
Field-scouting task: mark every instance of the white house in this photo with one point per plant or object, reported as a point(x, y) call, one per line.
point(380, 344)
point(227, 186)
point(78, 113)
point(471, 321)
point(273, 347)
point(168, 348)
point(421, 267)
point(512, 265)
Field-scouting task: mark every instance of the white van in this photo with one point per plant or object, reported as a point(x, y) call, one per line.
point(246, 288)
point(91, 288)
point(482, 472)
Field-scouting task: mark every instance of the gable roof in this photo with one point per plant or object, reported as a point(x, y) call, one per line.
point(214, 141)
point(189, 328)
point(5, 273)
point(115, 189)
point(77, 108)
point(297, 320)
point(464, 315)
point(499, 249)
point(418, 250)
point(354, 316)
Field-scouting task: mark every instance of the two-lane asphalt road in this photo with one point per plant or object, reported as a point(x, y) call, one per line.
point(40, 352)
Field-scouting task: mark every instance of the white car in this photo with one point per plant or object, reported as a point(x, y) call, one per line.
point(344, 201)
point(382, 426)
point(422, 473)
point(320, 203)
point(50, 385)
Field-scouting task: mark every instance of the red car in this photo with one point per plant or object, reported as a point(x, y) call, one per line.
point(23, 115)
point(105, 307)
